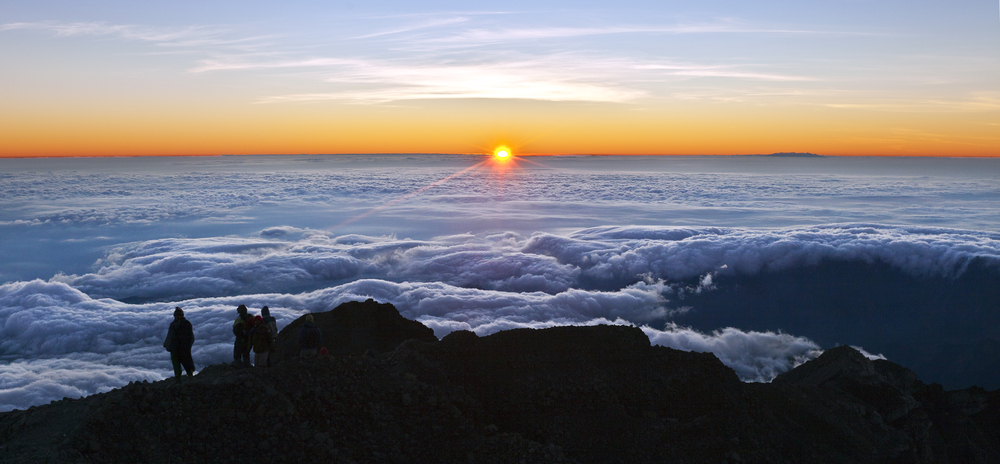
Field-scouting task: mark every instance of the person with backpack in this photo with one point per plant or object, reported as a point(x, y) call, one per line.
point(261, 341)
point(241, 329)
point(272, 324)
point(310, 338)
point(180, 338)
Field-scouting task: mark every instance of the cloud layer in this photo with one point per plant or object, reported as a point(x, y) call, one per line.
point(484, 283)
point(127, 240)
point(603, 258)
point(59, 342)
point(746, 192)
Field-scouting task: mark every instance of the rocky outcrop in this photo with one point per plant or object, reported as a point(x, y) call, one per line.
point(886, 410)
point(602, 393)
point(354, 328)
point(597, 394)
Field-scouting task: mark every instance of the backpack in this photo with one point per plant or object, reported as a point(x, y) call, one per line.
point(261, 337)
point(242, 326)
point(312, 337)
point(272, 325)
point(184, 334)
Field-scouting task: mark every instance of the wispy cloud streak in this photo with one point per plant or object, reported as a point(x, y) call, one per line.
point(189, 36)
point(554, 78)
point(455, 61)
point(415, 27)
point(480, 36)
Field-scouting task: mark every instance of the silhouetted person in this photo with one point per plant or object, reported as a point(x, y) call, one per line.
point(241, 329)
point(272, 325)
point(180, 338)
point(310, 338)
point(261, 340)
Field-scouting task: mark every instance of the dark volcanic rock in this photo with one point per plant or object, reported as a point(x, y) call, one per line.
point(602, 393)
point(597, 394)
point(354, 328)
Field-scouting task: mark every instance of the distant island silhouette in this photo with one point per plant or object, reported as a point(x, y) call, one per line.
point(793, 155)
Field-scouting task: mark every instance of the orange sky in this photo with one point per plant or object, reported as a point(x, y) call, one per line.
point(477, 127)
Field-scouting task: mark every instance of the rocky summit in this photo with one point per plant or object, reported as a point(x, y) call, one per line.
point(390, 392)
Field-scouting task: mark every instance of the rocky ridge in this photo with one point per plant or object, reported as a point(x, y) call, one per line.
point(566, 394)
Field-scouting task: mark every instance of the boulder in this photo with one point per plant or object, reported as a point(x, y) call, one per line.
point(354, 328)
point(880, 385)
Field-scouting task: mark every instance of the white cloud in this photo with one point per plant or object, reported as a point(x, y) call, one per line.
point(755, 356)
point(556, 77)
point(532, 79)
point(603, 258)
point(481, 36)
point(869, 355)
point(26, 383)
point(429, 24)
point(57, 341)
point(485, 280)
point(483, 283)
point(190, 36)
point(695, 70)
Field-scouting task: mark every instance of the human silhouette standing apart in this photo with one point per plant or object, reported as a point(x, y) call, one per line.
point(180, 338)
point(241, 329)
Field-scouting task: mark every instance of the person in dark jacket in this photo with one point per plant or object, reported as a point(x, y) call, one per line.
point(272, 325)
point(241, 347)
point(261, 341)
point(310, 338)
point(180, 338)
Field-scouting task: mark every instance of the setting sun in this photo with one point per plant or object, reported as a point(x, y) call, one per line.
point(502, 153)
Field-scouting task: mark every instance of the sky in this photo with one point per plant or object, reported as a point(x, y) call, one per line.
point(834, 77)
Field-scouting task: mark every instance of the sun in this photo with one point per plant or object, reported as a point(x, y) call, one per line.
point(502, 153)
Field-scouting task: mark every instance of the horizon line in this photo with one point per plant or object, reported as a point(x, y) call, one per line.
point(788, 155)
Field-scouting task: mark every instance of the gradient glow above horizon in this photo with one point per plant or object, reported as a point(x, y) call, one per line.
point(848, 77)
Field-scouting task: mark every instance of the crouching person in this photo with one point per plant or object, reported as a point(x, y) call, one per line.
point(310, 338)
point(180, 338)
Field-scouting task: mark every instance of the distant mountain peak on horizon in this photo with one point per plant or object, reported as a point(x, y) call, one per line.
point(795, 155)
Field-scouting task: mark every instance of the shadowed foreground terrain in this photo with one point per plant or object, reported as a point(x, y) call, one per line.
point(565, 394)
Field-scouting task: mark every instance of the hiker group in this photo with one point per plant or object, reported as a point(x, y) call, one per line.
point(256, 333)
point(253, 333)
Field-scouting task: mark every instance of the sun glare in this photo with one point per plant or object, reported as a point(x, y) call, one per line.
point(502, 153)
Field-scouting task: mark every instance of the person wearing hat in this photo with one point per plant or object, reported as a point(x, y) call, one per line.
point(180, 338)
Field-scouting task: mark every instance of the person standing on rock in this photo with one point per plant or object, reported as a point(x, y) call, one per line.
point(272, 325)
point(262, 342)
point(180, 338)
point(310, 338)
point(241, 347)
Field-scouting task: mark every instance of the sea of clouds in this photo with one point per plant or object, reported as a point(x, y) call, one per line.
point(73, 335)
point(62, 343)
point(538, 194)
point(601, 258)
point(98, 257)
